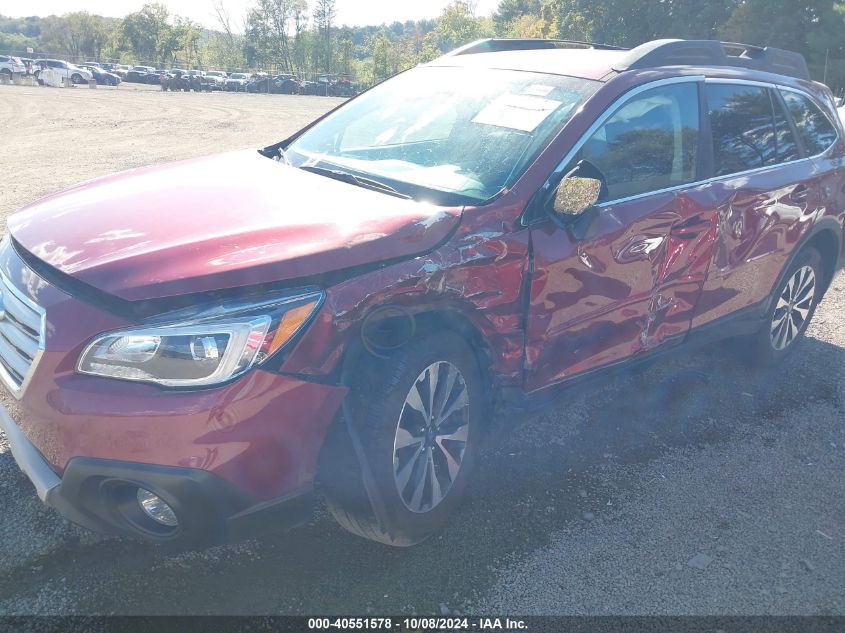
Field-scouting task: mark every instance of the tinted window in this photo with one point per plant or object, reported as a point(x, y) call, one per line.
point(650, 143)
point(786, 145)
point(815, 129)
point(743, 126)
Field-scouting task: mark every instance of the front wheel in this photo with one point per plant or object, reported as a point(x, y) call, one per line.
point(793, 305)
point(76, 79)
point(419, 417)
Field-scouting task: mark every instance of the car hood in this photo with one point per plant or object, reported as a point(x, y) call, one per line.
point(221, 222)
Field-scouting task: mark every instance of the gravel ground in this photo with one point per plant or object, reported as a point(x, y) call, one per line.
point(693, 487)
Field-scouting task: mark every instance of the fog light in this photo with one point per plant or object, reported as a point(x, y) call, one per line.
point(156, 508)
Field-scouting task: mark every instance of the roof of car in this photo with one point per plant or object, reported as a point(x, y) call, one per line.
point(597, 61)
point(574, 62)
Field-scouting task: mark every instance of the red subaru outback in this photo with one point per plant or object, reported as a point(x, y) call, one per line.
point(340, 311)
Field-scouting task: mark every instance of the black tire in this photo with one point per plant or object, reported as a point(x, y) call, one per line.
point(377, 401)
point(772, 345)
point(76, 78)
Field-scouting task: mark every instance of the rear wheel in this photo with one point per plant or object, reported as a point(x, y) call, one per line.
point(793, 305)
point(419, 419)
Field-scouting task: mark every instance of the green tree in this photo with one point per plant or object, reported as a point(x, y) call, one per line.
point(143, 31)
point(267, 32)
point(511, 10)
point(458, 26)
point(324, 16)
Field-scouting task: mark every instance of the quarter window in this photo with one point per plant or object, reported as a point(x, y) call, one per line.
point(743, 126)
point(815, 128)
point(649, 144)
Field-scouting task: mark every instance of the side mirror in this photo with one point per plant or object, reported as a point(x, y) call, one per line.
point(574, 205)
point(576, 195)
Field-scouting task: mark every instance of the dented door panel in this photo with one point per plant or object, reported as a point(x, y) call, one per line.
point(761, 217)
point(632, 287)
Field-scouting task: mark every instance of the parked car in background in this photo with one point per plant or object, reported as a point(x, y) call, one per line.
point(121, 69)
point(340, 312)
point(280, 84)
point(11, 66)
point(103, 77)
point(217, 78)
point(343, 87)
point(201, 83)
point(154, 78)
point(236, 82)
point(139, 74)
point(115, 69)
point(64, 69)
point(288, 84)
point(320, 87)
point(178, 80)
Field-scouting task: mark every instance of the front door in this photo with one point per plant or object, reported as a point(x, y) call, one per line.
point(632, 285)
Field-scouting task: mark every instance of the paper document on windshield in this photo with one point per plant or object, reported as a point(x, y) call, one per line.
point(517, 112)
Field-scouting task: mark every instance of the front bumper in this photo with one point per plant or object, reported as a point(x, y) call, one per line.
point(99, 495)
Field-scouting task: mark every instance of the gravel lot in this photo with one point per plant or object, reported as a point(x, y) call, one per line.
point(694, 487)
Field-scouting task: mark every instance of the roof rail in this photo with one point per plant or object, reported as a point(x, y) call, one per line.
point(492, 45)
point(714, 53)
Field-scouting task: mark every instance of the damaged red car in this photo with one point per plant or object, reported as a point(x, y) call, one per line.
point(196, 350)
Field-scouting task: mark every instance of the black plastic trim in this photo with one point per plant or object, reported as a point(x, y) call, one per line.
point(210, 509)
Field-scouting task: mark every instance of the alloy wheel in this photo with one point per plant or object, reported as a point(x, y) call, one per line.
point(793, 308)
point(431, 437)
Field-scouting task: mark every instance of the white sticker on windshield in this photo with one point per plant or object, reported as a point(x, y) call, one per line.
point(517, 112)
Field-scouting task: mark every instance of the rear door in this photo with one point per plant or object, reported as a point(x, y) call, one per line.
point(764, 191)
point(633, 283)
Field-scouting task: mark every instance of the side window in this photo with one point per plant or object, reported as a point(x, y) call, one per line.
point(743, 126)
point(786, 143)
point(815, 129)
point(650, 143)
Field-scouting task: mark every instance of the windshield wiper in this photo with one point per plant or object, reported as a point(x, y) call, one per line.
point(359, 181)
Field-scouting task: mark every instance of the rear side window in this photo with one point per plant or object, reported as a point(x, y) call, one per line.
point(816, 130)
point(743, 126)
point(649, 144)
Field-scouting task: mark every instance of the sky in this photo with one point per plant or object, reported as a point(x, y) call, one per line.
point(349, 12)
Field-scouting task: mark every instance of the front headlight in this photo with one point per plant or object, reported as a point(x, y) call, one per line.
point(208, 348)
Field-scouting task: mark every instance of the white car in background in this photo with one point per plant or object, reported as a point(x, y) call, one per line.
point(218, 77)
point(11, 66)
point(237, 82)
point(61, 69)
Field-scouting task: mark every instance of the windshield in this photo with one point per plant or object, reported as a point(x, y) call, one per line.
point(448, 135)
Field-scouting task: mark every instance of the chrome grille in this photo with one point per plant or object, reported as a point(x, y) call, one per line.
point(21, 336)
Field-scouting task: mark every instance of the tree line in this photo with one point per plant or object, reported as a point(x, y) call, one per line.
point(304, 38)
